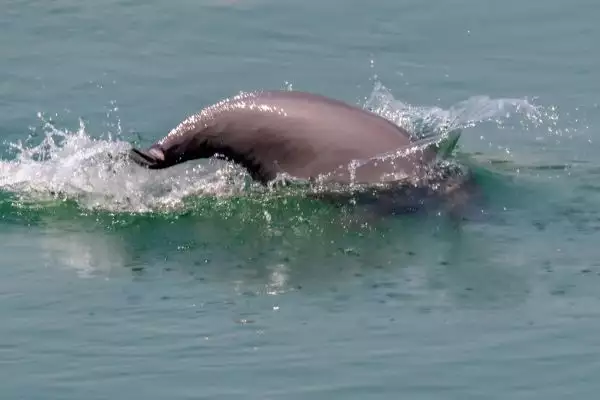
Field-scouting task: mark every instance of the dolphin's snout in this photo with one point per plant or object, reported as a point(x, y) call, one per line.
point(153, 158)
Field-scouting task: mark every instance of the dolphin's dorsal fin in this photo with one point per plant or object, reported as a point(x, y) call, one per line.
point(442, 145)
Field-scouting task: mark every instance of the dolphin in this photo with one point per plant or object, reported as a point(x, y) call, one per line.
point(298, 134)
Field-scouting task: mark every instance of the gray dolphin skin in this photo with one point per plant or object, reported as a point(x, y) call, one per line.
point(303, 135)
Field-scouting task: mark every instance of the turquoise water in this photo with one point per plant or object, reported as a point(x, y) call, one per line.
point(119, 283)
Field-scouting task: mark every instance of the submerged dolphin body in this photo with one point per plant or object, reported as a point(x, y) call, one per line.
point(303, 135)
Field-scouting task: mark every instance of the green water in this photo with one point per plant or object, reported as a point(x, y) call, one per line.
point(117, 282)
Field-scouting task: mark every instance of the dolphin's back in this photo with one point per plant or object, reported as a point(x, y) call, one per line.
point(298, 133)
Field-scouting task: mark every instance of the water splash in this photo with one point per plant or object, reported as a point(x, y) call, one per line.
point(91, 171)
point(426, 121)
point(73, 165)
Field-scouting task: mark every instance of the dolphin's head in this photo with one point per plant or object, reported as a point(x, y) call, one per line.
point(153, 158)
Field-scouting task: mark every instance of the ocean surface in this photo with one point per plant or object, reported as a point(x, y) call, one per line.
point(189, 283)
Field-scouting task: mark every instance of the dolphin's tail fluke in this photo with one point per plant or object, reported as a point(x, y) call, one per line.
point(152, 158)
